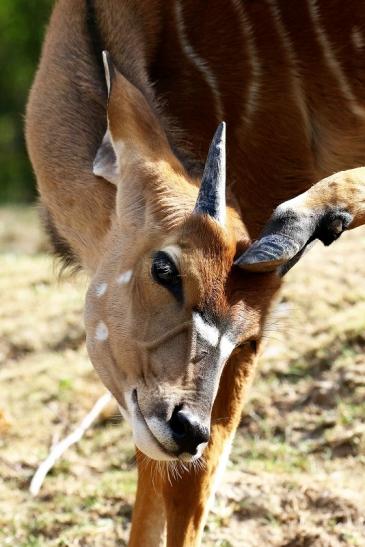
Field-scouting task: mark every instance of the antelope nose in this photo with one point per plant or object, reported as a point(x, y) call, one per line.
point(187, 430)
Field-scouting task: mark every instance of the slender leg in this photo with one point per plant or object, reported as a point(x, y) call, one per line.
point(149, 521)
point(187, 499)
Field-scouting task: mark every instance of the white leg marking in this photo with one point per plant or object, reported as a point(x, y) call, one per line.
point(101, 332)
point(199, 63)
point(209, 333)
point(256, 70)
point(125, 277)
point(332, 62)
point(101, 289)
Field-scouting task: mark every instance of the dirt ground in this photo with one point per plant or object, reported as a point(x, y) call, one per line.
point(297, 472)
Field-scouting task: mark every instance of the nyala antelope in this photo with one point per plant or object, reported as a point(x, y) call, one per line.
point(129, 148)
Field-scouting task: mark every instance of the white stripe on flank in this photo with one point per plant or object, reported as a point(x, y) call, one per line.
point(256, 71)
point(199, 63)
point(332, 62)
point(357, 38)
point(295, 76)
point(209, 333)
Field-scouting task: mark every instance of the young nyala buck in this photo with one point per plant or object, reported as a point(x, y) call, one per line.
point(129, 149)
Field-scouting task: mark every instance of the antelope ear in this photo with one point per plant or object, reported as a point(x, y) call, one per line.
point(290, 232)
point(105, 163)
point(134, 133)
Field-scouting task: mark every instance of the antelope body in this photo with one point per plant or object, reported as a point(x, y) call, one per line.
point(174, 315)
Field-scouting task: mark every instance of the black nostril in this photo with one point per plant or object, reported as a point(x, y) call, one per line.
point(178, 423)
point(187, 430)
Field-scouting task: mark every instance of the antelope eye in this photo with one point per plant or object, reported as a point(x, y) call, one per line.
point(165, 273)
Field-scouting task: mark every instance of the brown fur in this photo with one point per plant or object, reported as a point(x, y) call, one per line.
point(296, 127)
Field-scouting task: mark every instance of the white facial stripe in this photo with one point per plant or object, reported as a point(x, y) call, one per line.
point(209, 333)
point(226, 346)
point(101, 332)
point(101, 289)
point(125, 277)
point(174, 253)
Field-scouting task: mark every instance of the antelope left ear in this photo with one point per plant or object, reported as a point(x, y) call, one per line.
point(289, 234)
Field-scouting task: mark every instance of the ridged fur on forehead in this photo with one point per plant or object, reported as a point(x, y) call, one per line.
point(208, 254)
point(202, 231)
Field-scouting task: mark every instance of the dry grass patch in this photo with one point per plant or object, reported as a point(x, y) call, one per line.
point(296, 476)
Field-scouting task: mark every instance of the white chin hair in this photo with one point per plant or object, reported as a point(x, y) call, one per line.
point(142, 436)
point(146, 443)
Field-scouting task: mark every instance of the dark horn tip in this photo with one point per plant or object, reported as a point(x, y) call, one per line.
point(220, 134)
point(212, 193)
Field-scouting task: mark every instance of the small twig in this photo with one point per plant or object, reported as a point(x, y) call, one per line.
point(59, 448)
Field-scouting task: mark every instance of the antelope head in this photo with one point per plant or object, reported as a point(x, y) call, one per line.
point(168, 308)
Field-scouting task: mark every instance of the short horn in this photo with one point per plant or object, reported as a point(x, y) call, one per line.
point(268, 253)
point(212, 194)
point(289, 234)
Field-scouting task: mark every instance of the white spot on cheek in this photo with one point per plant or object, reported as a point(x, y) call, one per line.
point(101, 332)
point(101, 289)
point(206, 331)
point(226, 347)
point(125, 277)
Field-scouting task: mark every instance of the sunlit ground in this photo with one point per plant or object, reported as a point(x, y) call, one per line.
point(297, 471)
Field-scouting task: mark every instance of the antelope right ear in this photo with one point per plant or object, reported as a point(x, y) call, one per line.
point(290, 232)
point(106, 163)
point(134, 134)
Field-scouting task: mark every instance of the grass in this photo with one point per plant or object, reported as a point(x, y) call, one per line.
point(296, 475)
